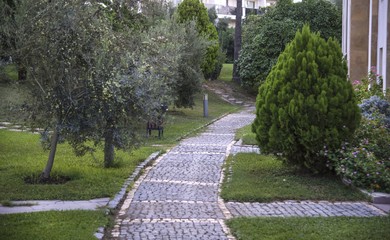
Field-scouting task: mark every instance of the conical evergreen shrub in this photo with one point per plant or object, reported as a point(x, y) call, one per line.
point(306, 104)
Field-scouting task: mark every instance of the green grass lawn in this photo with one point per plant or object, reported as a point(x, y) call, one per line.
point(247, 136)
point(259, 178)
point(226, 72)
point(8, 73)
point(12, 96)
point(332, 228)
point(52, 225)
point(21, 156)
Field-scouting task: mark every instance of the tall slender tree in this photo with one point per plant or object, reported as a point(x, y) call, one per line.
point(237, 41)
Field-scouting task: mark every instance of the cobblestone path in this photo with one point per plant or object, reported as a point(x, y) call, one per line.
point(304, 209)
point(178, 197)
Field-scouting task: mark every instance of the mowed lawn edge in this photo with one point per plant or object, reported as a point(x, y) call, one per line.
point(252, 177)
point(311, 228)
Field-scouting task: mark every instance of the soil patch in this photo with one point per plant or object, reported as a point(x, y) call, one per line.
point(54, 179)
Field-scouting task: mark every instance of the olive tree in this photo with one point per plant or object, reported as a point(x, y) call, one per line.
point(91, 80)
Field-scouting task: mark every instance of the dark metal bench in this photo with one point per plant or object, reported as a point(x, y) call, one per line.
point(154, 126)
point(157, 124)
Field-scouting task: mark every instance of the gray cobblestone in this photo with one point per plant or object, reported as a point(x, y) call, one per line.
point(200, 148)
point(173, 230)
point(186, 167)
point(307, 209)
point(210, 139)
point(177, 198)
point(244, 149)
point(176, 191)
point(174, 210)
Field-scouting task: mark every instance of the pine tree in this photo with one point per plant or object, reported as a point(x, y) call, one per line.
point(306, 103)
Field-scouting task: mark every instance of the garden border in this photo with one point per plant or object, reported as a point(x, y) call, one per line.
point(119, 197)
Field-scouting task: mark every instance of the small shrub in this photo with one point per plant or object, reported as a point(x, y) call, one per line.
point(218, 66)
point(369, 86)
point(365, 161)
point(376, 108)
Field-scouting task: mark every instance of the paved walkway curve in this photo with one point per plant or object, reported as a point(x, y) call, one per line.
point(178, 197)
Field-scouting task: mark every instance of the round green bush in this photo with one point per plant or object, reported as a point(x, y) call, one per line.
point(306, 103)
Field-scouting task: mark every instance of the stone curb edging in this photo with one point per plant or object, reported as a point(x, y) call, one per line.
point(221, 203)
point(120, 196)
point(129, 196)
point(377, 197)
point(307, 208)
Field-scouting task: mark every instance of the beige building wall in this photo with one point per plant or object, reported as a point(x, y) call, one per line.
point(374, 33)
point(358, 52)
point(366, 40)
point(387, 80)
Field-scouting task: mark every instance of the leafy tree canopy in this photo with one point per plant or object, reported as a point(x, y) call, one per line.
point(226, 39)
point(265, 36)
point(194, 10)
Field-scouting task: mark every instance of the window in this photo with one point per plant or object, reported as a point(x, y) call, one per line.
point(380, 63)
point(250, 4)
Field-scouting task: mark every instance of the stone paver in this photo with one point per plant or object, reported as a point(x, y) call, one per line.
point(161, 191)
point(244, 149)
point(303, 209)
point(174, 210)
point(167, 229)
point(186, 167)
point(178, 197)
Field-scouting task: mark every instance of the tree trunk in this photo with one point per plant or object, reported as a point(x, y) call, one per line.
point(22, 74)
point(237, 41)
point(109, 151)
point(22, 71)
point(53, 148)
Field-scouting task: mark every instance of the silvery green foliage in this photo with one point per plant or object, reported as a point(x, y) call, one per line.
point(189, 74)
point(376, 108)
point(170, 57)
point(93, 82)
